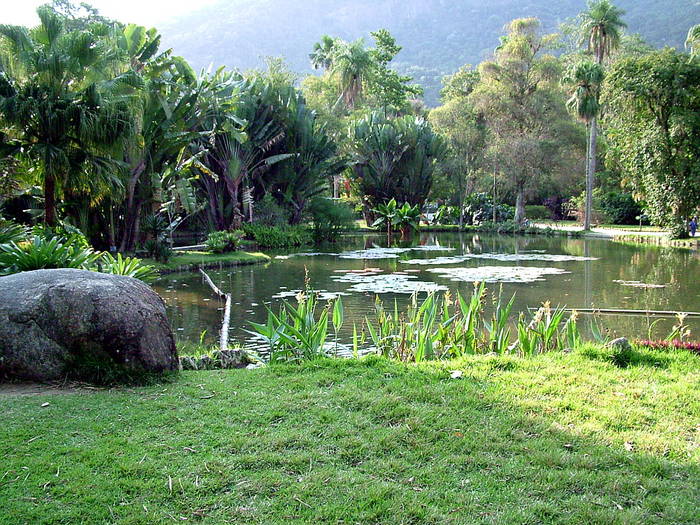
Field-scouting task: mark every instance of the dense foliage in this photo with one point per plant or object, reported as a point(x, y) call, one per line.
point(105, 133)
point(654, 132)
point(394, 159)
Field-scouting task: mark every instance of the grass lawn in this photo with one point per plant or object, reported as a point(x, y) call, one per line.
point(194, 260)
point(560, 438)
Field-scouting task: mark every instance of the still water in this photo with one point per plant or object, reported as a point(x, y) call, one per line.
point(576, 273)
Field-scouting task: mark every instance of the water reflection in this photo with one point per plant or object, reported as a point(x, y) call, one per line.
point(596, 281)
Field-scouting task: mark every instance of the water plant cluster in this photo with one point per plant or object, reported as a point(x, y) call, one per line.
point(441, 326)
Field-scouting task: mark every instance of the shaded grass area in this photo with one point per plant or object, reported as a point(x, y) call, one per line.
point(560, 438)
point(191, 260)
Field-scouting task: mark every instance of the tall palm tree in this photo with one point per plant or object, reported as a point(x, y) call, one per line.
point(352, 63)
point(322, 54)
point(585, 80)
point(54, 105)
point(601, 30)
point(693, 41)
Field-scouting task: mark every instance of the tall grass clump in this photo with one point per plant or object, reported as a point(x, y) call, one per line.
point(439, 327)
point(447, 328)
point(296, 333)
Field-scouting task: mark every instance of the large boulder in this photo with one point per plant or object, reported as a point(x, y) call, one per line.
point(81, 324)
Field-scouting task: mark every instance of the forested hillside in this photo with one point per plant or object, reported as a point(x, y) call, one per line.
point(437, 36)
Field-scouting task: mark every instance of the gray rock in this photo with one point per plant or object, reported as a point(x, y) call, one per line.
point(205, 363)
point(188, 362)
point(620, 344)
point(230, 359)
point(58, 323)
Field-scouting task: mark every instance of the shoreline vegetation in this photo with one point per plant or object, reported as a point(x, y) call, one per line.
point(558, 437)
point(191, 261)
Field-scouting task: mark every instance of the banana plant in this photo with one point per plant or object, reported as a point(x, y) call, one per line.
point(387, 214)
point(407, 219)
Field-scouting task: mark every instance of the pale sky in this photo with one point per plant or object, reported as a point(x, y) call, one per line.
point(143, 12)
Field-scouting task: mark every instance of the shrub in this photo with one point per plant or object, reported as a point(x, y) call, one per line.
point(277, 237)
point(158, 250)
point(63, 231)
point(129, 266)
point(619, 208)
point(155, 225)
point(611, 207)
point(268, 212)
point(478, 208)
point(40, 254)
point(11, 232)
point(446, 215)
point(535, 212)
point(330, 219)
point(224, 242)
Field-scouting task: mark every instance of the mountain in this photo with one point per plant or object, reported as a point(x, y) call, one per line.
point(438, 36)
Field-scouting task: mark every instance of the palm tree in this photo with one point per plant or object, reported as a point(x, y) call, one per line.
point(601, 29)
point(693, 41)
point(351, 64)
point(53, 105)
point(322, 54)
point(585, 80)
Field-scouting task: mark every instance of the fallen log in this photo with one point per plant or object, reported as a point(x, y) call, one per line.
point(223, 340)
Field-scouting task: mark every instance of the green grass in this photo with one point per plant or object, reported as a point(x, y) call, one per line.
point(193, 260)
point(560, 438)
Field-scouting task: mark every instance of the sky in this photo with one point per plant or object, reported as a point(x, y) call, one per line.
point(144, 12)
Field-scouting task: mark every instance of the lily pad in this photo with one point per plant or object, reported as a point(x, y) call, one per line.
point(504, 257)
point(387, 283)
point(497, 274)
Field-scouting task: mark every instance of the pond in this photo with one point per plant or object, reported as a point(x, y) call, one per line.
point(578, 273)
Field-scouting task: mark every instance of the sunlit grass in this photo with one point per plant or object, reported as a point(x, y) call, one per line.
point(192, 259)
point(558, 438)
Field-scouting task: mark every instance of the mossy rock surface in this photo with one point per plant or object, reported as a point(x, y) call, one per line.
point(82, 325)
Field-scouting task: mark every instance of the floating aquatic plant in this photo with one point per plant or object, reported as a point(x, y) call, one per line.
point(503, 257)
point(387, 283)
point(493, 274)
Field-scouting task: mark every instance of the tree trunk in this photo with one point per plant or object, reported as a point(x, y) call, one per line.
point(590, 174)
point(297, 213)
point(111, 237)
point(131, 210)
point(232, 186)
point(520, 205)
point(50, 200)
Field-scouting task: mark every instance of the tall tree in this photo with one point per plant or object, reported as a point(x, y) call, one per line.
point(692, 42)
point(351, 65)
point(322, 55)
point(55, 104)
point(390, 90)
point(518, 97)
point(601, 30)
point(465, 131)
point(584, 80)
point(653, 130)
